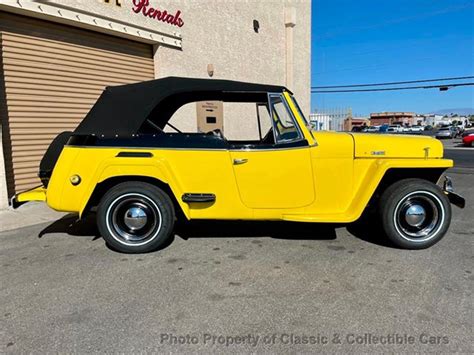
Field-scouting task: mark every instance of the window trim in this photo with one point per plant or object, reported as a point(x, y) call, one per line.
point(295, 121)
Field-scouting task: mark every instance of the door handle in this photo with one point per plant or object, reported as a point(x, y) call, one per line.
point(240, 161)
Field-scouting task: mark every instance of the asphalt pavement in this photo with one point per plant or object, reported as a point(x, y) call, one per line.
point(240, 287)
point(463, 156)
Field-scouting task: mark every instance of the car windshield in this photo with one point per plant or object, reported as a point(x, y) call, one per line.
point(299, 111)
point(286, 129)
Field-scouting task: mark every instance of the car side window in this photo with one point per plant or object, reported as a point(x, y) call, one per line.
point(284, 124)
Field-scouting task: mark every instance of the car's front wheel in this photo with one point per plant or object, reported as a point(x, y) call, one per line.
point(135, 217)
point(415, 213)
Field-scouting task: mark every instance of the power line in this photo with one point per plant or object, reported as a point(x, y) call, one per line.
point(443, 87)
point(392, 83)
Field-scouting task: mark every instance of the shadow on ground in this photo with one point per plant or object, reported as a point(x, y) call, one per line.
point(252, 229)
point(370, 232)
point(72, 225)
point(363, 230)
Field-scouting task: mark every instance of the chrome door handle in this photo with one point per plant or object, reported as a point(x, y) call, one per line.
point(240, 161)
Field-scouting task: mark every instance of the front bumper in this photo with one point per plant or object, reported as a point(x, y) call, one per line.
point(35, 194)
point(453, 197)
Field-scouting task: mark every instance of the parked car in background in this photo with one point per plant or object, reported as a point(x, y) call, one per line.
point(446, 132)
point(416, 129)
point(428, 127)
point(406, 129)
point(383, 128)
point(468, 139)
point(459, 131)
point(395, 129)
point(373, 129)
point(359, 129)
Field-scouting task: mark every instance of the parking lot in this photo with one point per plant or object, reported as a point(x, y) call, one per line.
point(235, 286)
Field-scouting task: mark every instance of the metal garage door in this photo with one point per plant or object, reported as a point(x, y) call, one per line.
point(53, 74)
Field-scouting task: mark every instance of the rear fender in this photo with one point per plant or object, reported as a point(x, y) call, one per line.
point(160, 172)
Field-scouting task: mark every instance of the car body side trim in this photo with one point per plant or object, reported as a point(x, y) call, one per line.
point(198, 197)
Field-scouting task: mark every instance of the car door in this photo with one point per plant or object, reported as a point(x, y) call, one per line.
point(276, 176)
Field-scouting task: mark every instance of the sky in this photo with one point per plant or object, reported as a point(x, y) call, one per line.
point(368, 41)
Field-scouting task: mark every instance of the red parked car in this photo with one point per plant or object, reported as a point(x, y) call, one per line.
point(468, 139)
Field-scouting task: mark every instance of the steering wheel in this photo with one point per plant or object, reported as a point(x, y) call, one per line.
point(216, 133)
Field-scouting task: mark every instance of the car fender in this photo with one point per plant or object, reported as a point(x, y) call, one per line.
point(375, 170)
point(159, 171)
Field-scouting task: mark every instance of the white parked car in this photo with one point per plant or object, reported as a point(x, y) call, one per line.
point(396, 128)
point(416, 129)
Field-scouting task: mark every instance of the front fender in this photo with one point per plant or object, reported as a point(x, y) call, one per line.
point(375, 169)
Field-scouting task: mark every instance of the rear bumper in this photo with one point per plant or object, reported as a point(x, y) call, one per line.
point(35, 194)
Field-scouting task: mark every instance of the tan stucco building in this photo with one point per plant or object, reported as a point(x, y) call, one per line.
point(57, 56)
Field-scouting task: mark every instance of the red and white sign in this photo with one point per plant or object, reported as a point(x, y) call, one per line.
point(143, 7)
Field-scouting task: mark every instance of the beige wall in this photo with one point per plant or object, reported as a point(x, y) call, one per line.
point(220, 32)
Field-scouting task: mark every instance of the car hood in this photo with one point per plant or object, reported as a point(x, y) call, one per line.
point(396, 146)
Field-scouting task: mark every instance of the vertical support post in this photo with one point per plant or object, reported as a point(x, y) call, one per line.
point(290, 23)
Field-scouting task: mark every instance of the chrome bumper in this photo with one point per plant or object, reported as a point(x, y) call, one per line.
point(453, 197)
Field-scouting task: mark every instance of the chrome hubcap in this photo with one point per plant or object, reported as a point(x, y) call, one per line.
point(419, 216)
point(415, 215)
point(135, 218)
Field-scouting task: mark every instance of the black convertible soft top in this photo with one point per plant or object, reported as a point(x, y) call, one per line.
point(122, 110)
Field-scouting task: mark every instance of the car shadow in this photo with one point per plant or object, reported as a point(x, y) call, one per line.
point(72, 225)
point(370, 232)
point(252, 229)
point(363, 230)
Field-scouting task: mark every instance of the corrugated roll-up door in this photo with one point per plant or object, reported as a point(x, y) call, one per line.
point(52, 74)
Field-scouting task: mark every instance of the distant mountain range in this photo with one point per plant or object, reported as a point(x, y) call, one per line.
point(457, 111)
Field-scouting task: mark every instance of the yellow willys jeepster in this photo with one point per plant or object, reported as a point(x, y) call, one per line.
point(127, 161)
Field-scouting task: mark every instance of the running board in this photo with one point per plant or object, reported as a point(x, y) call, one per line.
point(201, 198)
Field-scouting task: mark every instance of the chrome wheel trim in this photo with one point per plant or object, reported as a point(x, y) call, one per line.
point(433, 220)
point(116, 216)
point(415, 215)
point(135, 218)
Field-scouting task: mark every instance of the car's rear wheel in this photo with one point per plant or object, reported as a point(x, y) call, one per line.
point(415, 213)
point(135, 217)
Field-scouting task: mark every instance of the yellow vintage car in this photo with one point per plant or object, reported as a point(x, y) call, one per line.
point(141, 173)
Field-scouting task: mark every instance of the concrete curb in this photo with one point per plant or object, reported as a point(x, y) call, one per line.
point(27, 215)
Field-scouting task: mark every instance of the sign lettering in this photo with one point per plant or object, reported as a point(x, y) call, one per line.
point(143, 7)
